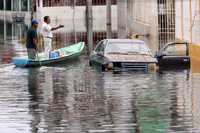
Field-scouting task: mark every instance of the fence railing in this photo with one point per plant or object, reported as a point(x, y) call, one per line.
point(52, 3)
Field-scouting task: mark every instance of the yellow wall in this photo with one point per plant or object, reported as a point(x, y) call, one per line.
point(194, 52)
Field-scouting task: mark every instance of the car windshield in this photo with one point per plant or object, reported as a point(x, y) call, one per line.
point(127, 48)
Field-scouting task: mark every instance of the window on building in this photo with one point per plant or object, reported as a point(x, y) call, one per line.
point(8, 5)
point(1, 4)
point(24, 5)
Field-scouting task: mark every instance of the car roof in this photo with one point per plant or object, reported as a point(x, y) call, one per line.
point(125, 40)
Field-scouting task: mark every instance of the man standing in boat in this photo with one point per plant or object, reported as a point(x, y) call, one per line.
point(32, 40)
point(47, 34)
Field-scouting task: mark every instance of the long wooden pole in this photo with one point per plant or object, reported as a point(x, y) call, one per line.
point(109, 18)
point(89, 21)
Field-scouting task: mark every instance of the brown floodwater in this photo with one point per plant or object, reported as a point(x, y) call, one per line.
point(75, 98)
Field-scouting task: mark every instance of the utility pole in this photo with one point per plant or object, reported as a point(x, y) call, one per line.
point(109, 18)
point(4, 18)
point(89, 21)
point(122, 18)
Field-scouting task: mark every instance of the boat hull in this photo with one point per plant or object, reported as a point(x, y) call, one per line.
point(24, 62)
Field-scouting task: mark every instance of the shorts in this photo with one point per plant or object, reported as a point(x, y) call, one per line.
point(31, 53)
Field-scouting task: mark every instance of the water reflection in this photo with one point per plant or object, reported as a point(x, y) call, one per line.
point(112, 103)
point(75, 98)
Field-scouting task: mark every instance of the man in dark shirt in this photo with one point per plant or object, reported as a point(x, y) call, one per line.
point(32, 40)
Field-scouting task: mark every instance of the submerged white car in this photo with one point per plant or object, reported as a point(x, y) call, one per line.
point(122, 54)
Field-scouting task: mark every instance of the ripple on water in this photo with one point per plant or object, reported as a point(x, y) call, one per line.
point(75, 98)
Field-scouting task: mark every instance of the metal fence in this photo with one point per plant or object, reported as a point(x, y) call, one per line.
point(51, 3)
point(166, 21)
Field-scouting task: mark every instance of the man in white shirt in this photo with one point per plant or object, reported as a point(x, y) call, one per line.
point(47, 34)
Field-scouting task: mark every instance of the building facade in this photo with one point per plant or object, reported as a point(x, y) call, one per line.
point(14, 14)
point(155, 19)
point(12, 8)
point(188, 28)
point(188, 20)
point(72, 14)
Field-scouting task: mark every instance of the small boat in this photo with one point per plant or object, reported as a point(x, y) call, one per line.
point(57, 56)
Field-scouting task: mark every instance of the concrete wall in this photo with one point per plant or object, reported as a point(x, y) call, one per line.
point(194, 57)
point(188, 28)
point(188, 20)
point(145, 20)
point(64, 15)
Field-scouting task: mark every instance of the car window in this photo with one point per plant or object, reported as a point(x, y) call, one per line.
point(100, 47)
point(176, 50)
point(127, 48)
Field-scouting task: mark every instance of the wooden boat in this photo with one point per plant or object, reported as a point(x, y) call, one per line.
point(56, 56)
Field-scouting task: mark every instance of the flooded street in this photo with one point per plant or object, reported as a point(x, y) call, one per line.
point(75, 98)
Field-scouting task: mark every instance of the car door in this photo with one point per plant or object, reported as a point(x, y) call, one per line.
point(175, 54)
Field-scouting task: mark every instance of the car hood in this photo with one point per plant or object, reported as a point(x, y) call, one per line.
point(130, 58)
